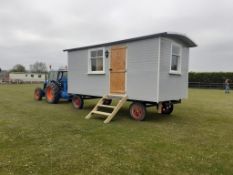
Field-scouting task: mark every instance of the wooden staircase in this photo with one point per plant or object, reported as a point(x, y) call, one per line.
point(109, 115)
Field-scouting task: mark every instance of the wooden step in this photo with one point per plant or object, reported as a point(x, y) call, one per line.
point(116, 95)
point(101, 113)
point(107, 106)
point(121, 100)
point(112, 96)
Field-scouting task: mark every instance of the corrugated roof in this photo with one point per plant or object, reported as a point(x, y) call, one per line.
point(181, 37)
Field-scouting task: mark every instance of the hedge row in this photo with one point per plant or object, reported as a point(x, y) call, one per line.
point(210, 77)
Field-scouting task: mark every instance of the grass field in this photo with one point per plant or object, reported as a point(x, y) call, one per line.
point(38, 138)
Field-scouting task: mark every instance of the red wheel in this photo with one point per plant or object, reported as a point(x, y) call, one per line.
point(77, 102)
point(49, 93)
point(137, 111)
point(52, 93)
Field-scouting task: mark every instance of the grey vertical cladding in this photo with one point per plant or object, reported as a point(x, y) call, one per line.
point(142, 65)
point(172, 87)
point(141, 72)
point(79, 81)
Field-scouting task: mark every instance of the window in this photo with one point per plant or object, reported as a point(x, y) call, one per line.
point(39, 76)
point(52, 75)
point(62, 76)
point(175, 59)
point(26, 75)
point(65, 75)
point(96, 61)
point(32, 75)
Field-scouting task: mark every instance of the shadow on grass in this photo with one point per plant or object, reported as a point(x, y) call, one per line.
point(64, 102)
point(150, 116)
point(123, 114)
point(61, 102)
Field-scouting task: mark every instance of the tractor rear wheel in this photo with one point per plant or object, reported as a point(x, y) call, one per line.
point(167, 108)
point(52, 93)
point(77, 102)
point(38, 94)
point(138, 111)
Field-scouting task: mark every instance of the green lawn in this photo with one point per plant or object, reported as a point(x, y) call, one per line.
point(40, 138)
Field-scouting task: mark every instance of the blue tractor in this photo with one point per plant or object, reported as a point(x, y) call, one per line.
point(55, 87)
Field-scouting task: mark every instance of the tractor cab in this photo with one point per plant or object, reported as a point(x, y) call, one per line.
point(55, 87)
point(61, 74)
point(52, 75)
point(62, 79)
point(56, 76)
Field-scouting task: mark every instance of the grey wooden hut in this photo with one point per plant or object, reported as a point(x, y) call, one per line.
point(147, 70)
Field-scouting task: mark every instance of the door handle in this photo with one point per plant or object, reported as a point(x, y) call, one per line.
point(110, 69)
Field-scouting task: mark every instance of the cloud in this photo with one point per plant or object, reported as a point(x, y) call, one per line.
point(39, 30)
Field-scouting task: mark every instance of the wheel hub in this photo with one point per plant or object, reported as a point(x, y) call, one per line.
point(77, 102)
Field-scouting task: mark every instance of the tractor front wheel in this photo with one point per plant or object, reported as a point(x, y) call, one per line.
point(77, 102)
point(38, 94)
point(52, 93)
point(138, 111)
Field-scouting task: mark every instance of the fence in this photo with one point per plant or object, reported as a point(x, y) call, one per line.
point(208, 85)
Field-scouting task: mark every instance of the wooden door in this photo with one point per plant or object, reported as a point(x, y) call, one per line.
point(117, 70)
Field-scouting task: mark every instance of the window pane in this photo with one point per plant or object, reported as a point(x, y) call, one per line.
point(52, 75)
point(93, 54)
point(97, 64)
point(175, 50)
point(174, 65)
point(65, 75)
point(59, 76)
point(100, 53)
point(93, 64)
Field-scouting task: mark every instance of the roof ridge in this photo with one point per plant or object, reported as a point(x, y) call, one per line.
point(178, 36)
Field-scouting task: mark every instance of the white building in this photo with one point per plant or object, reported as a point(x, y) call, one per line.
point(26, 77)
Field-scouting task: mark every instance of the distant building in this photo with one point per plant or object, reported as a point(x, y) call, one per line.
point(4, 76)
point(18, 77)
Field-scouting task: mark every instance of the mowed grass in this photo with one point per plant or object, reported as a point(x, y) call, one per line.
point(40, 138)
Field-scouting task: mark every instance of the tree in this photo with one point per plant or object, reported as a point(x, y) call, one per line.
point(18, 68)
point(38, 67)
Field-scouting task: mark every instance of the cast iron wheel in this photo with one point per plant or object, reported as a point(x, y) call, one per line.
point(138, 111)
point(77, 102)
point(167, 108)
point(52, 93)
point(107, 101)
point(38, 94)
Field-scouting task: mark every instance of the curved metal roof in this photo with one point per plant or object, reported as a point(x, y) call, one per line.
point(181, 37)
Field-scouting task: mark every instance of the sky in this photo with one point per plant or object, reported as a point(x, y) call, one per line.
point(38, 30)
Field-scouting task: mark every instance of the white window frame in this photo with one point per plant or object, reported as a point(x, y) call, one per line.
point(89, 61)
point(177, 72)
